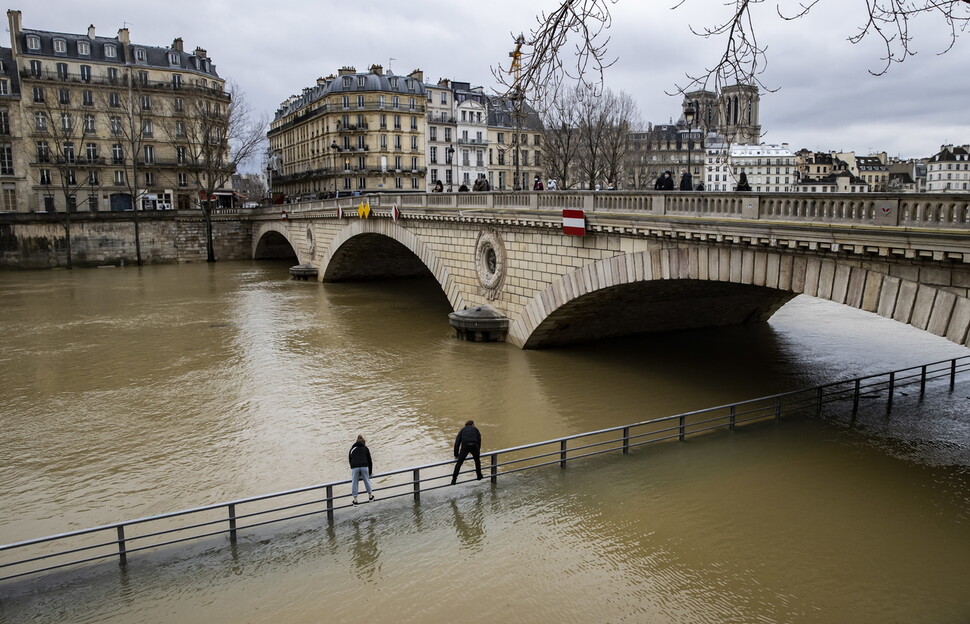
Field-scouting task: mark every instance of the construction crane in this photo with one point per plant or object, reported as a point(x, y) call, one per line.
point(516, 54)
point(515, 69)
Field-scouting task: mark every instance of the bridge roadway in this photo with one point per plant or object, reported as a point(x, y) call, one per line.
point(649, 261)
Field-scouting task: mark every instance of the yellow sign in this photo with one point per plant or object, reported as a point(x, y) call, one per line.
point(363, 211)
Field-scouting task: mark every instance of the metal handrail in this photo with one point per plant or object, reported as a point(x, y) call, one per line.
point(499, 463)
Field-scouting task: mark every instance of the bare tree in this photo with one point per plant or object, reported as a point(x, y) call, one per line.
point(562, 139)
point(214, 134)
point(62, 131)
point(577, 30)
point(623, 116)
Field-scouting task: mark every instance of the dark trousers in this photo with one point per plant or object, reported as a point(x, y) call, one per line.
point(475, 452)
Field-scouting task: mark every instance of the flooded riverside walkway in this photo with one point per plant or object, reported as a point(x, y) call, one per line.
point(135, 392)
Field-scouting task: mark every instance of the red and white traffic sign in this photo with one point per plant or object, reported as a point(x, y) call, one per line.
point(573, 222)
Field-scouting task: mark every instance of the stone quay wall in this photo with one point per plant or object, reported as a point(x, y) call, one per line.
point(38, 240)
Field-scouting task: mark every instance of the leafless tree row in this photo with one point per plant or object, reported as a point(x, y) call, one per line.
point(588, 136)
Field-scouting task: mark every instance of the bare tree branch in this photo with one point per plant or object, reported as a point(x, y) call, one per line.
point(576, 30)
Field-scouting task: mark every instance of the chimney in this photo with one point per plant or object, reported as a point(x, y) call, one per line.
point(123, 36)
point(417, 74)
point(345, 70)
point(91, 31)
point(200, 52)
point(13, 19)
point(177, 45)
point(377, 69)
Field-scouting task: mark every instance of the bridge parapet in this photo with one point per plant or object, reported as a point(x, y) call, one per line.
point(882, 210)
point(927, 226)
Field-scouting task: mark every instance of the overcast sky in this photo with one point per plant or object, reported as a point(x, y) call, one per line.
point(825, 98)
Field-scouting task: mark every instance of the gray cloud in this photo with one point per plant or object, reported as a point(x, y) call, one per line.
point(826, 99)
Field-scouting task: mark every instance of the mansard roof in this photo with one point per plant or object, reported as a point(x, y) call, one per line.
point(870, 163)
point(951, 153)
point(155, 56)
point(8, 70)
point(501, 111)
point(351, 81)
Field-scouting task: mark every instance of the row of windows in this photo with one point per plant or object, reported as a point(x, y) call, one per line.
point(117, 124)
point(120, 178)
point(361, 123)
point(91, 153)
point(499, 137)
point(112, 74)
point(480, 157)
point(362, 82)
point(381, 102)
point(110, 51)
point(114, 100)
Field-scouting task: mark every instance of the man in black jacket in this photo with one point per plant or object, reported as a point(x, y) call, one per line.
point(360, 467)
point(469, 440)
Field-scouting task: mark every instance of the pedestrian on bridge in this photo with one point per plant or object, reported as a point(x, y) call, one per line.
point(686, 184)
point(360, 467)
point(469, 440)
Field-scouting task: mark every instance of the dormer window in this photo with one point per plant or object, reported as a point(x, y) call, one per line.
point(394, 82)
point(33, 42)
point(346, 82)
point(173, 58)
point(140, 55)
point(60, 46)
point(83, 48)
point(361, 81)
point(110, 51)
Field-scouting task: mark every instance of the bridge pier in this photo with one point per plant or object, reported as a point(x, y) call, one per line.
point(480, 324)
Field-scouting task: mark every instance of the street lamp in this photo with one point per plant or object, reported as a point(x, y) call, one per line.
point(334, 149)
point(689, 113)
point(451, 169)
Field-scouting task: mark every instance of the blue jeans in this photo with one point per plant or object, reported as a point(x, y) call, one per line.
point(359, 473)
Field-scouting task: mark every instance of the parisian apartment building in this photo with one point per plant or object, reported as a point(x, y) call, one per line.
point(92, 122)
point(768, 168)
point(948, 171)
point(376, 131)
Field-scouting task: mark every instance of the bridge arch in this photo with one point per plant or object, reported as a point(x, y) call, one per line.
point(272, 241)
point(695, 286)
point(376, 248)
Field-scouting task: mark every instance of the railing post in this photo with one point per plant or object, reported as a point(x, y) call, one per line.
point(232, 522)
point(953, 372)
point(122, 551)
point(416, 484)
point(818, 402)
point(493, 477)
point(777, 408)
point(562, 453)
point(892, 388)
point(626, 440)
point(922, 380)
point(855, 396)
point(733, 417)
point(683, 428)
point(330, 504)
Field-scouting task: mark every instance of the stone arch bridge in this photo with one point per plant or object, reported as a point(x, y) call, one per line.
point(648, 261)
